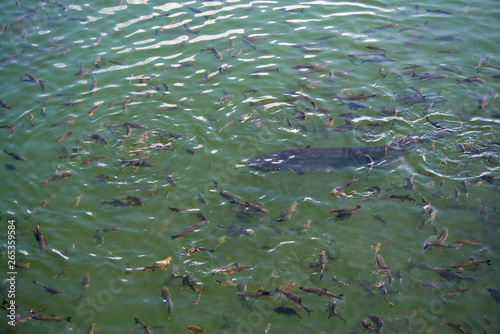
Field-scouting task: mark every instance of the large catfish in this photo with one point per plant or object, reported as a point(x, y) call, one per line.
point(302, 160)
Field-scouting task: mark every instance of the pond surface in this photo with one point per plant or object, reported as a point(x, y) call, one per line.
point(126, 114)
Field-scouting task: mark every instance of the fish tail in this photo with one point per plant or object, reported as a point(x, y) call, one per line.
point(471, 279)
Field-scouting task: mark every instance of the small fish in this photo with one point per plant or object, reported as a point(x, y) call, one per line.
point(376, 248)
point(171, 180)
point(379, 219)
point(253, 206)
point(442, 237)
point(339, 190)
point(3, 105)
point(93, 89)
point(249, 91)
point(339, 282)
point(158, 264)
point(191, 228)
point(105, 230)
point(30, 78)
point(495, 293)
point(440, 11)
point(195, 329)
point(96, 42)
point(15, 155)
point(214, 52)
point(85, 285)
point(224, 98)
point(367, 326)
point(283, 310)
point(469, 263)
point(60, 176)
point(429, 75)
point(320, 291)
point(403, 198)
point(429, 242)
point(226, 194)
point(238, 230)
point(356, 105)
point(383, 290)
point(321, 264)
point(372, 30)
point(96, 158)
point(94, 109)
point(40, 238)
point(449, 274)
point(12, 56)
point(332, 310)
point(303, 227)
point(489, 322)
point(64, 136)
point(287, 286)
point(456, 327)
point(49, 289)
point(483, 101)
point(286, 214)
point(293, 297)
point(167, 299)
point(62, 272)
point(61, 123)
point(195, 249)
point(377, 321)
point(144, 326)
point(381, 263)
point(142, 137)
point(230, 268)
point(262, 71)
point(97, 138)
point(258, 293)
point(50, 318)
point(347, 210)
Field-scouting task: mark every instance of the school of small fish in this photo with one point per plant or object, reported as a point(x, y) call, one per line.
point(80, 144)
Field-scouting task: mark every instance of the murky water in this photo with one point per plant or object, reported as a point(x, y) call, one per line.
point(282, 83)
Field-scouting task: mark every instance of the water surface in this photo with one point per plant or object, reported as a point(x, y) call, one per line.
point(159, 59)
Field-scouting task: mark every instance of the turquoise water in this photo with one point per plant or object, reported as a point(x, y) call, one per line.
point(145, 44)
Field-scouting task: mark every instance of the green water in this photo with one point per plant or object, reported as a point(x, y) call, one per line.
point(143, 41)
